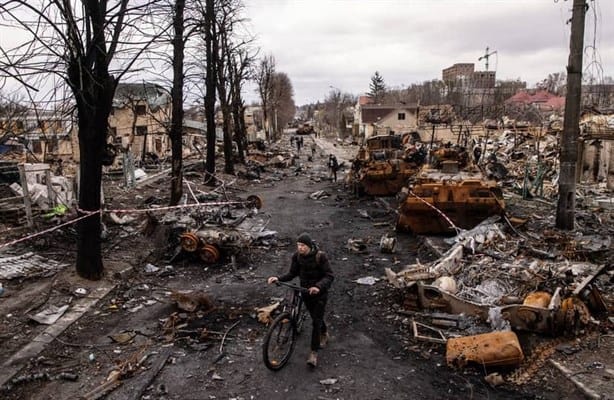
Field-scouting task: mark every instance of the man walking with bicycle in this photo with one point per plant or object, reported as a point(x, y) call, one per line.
point(313, 269)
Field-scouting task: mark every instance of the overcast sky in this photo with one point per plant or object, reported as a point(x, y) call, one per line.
point(341, 43)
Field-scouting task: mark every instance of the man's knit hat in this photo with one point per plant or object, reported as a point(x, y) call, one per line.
point(305, 239)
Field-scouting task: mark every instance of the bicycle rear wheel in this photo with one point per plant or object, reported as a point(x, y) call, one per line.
point(279, 342)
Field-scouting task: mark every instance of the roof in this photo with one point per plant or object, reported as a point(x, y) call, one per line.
point(362, 100)
point(154, 94)
point(540, 96)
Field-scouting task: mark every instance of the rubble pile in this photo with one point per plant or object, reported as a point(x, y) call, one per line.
point(494, 279)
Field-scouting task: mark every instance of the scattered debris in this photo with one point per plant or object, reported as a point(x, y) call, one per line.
point(439, 338)
point(357, 246)
point(123, 337)
point(320, 194)
point(488, 349)
point(28, 265)
point(387, 244)
point(193, 300)
point(264, 313)
point(49, 315)
point(328, 381)
point(495, 379)
point(367, 280)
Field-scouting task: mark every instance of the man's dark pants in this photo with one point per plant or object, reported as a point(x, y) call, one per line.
point(316, 305)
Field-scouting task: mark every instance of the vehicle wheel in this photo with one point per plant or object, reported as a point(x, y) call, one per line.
point(278, 342)
point(189, 241)
point(210, 254)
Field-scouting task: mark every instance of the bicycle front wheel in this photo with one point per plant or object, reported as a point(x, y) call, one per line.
point(279, 342)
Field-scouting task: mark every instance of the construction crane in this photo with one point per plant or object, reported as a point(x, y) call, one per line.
point(486, 56)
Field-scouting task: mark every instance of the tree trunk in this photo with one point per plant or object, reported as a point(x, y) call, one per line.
point(176, 131)
point(93, 113)
point(239, 128)
point(565, 213)
point(228, 151)
point(210, 80)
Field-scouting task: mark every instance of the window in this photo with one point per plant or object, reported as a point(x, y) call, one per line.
point(141, 130)
point(141, 109)
point(37, 147)
point(53, 145)
point(401, 116)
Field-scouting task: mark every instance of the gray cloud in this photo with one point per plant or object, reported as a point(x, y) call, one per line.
point(319, 43)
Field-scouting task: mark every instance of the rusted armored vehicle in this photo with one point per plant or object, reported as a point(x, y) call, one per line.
point(305, 129)
point(438, 201)
point(383, 165)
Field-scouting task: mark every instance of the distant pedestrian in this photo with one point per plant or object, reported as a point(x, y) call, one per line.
point(313, 149)
point(298, 145)
point(292, 140)
point(333, 166)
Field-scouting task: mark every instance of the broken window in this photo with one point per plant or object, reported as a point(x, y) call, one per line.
point(37, 146)
point(141, 130)
point(141, 109)
point(401, 116)
point(53, 145)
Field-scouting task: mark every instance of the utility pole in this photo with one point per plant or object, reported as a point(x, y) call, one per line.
point(565, 212)
point(486, 56)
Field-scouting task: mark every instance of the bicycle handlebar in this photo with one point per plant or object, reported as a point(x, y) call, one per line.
point(292, 286)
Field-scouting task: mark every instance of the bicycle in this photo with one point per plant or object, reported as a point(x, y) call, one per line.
point(280, 338)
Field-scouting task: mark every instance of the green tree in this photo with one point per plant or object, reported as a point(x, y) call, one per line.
point(377, 87)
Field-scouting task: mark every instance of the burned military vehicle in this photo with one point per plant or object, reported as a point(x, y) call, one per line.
point(439, 201)
point(384, 164)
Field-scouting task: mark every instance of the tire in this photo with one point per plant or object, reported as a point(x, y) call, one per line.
point(279, 342)
point(300, 318)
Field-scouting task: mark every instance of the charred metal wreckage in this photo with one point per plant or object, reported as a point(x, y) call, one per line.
point(211, 232)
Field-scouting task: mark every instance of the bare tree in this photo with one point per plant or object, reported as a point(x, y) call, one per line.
point(233, 69)
point(281, 107)
point(78, 40)
point(176, 131)
point(211, 52)
point(226, 18)
point(240, 68)
point(264, 80)
point(334, 106)
point(554, 83)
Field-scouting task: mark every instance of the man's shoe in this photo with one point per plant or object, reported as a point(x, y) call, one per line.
point(312, 360)
point(324, 339)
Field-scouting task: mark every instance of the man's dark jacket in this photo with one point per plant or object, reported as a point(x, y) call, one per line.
point(312, 269)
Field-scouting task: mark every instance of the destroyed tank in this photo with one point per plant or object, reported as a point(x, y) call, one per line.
point(383, 166)
point(438, 201)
